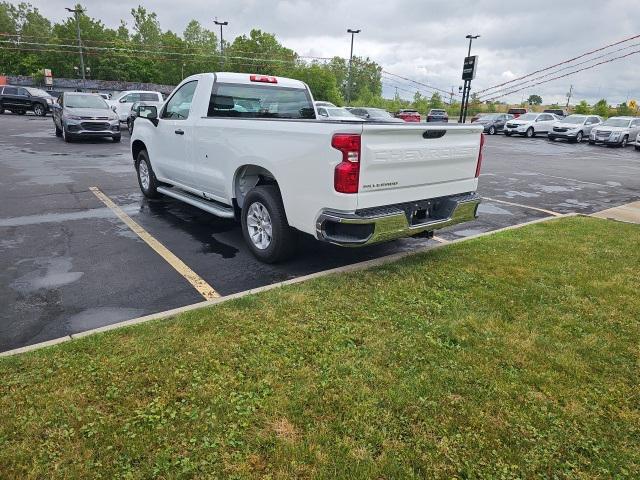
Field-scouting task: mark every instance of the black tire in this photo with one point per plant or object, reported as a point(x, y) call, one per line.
point(637, 148)
point(58, 131)
point(579, 137)
point(507, 134)
point(130, 126)
point(591, 142)
point(283, 239)
point(21, 112)
point(1, 108)
point(530, 133)
point(66, 136)
point(117, 138)
point(625, 141)
point(39, 110)
point(492, 130)
point(151, 190)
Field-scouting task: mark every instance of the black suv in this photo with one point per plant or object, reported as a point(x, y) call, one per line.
point(20, 99)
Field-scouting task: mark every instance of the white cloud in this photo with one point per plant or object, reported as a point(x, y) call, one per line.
point(423, 39)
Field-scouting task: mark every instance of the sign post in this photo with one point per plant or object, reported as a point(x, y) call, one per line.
point(469, 68)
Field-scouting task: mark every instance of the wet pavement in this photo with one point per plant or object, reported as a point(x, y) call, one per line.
point(68, 264)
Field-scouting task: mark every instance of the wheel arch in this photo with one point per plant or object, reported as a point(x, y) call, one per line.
point(136, 147)
point(247, 177)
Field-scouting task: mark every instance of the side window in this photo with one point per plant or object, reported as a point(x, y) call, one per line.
point(179, 104)
point(148, 97)
point(323, 112)
point(10, 91)
point(635, 123)
point(22, 91)
point(132, 97)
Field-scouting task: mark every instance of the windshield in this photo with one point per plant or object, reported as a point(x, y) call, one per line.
point(617, 122)
point(528, 116)
point(379, 113)
point(85, 101)
point(574, 119)
point(340, 112)
point(36, 92)
point(437, 112)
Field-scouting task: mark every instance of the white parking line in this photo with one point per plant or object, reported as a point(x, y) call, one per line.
point(555, 214)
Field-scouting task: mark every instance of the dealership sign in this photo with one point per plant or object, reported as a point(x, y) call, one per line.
point(469, 67)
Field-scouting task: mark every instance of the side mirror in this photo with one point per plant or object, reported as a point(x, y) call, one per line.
point(150, 112)
point(113, 107)
point(123, 100)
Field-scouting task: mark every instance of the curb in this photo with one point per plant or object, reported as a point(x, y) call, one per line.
point(347, 268)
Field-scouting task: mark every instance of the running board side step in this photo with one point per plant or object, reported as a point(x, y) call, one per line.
point(208, 206)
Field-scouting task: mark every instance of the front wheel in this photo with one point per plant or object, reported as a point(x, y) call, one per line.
point(21, 112)
point(492, 130)
point(1, 108)
point(130, 127)
point(66, 136)
point(146, 177)
point(508, 134)
point(58, 131)
point(579, 137)
point(530, 133)
point(39, 110)
point(116, 138)
point(264, 225)
point(624, 142)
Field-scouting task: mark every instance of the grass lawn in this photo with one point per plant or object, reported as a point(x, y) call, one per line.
point(510, 356)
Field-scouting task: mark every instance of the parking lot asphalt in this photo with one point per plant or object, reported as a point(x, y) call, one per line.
point(68, 263)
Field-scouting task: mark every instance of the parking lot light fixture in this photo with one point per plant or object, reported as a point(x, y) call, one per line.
point(221, 24)
point(353, 33)
point(77, 12)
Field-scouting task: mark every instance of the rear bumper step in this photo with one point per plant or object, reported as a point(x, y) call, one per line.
point(206, 205)
point(380, 224)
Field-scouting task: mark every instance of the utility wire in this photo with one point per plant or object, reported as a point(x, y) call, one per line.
point(418, 83)
point(561, 63)
point(563, 69)
point(565, 75)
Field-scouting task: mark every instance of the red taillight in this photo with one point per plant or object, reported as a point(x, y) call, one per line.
point(347, 173)
point(263, 78)
point(479, 164)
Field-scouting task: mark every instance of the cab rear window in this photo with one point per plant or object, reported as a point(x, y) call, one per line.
point(259, 101)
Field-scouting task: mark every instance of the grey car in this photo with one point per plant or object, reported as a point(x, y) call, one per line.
point(493, 122)
point(82, 115)
point(374, 114)
point(574, 127)
point(616, 131)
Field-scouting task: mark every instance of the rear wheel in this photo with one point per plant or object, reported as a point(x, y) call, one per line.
point(117, 138)
point(130, 126)
point(264, 225)
point(146, 177)
point(530, 133)
point(591, 142)
point(39, 110)
point(1, 108)
point(492, 130)
point(508, 134)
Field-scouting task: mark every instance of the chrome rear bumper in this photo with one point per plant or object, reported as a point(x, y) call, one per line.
point(374, 225)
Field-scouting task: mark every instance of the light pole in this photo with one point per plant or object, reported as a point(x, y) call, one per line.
point(76, 12)
point(222, 24)
point(467, 86)
point(353, 33)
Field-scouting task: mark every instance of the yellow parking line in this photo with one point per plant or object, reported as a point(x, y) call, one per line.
point(555, 214)
point(192, 277)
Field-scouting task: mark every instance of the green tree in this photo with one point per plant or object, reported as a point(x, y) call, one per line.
point(321, 81)
point(436, 101)
point(601, 108)
point(534, 100)
point(582, 108)
point(623, 109)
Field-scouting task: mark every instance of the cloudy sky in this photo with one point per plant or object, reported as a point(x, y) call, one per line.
point(425, 39)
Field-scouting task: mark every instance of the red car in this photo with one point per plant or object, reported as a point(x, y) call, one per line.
point(408, 115)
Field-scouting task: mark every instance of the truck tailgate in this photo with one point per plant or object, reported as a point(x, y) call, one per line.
point(402, 163)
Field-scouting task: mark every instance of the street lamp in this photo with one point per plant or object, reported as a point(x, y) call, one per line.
point(77, 12)
point(353, 33)
point(464, 106)
point(222, 24)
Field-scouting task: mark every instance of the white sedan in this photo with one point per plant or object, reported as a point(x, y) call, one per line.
point(337, 113)
point(530, 124)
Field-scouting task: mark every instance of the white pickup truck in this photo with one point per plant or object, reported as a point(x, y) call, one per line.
point(251, 147)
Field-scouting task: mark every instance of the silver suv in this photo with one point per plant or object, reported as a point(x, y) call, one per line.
point(616, 131)
point(574, 127)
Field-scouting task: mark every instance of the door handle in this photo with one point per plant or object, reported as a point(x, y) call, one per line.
point(179, 132)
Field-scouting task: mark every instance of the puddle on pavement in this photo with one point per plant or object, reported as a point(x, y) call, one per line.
point(51, 273)
point(99, 317)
